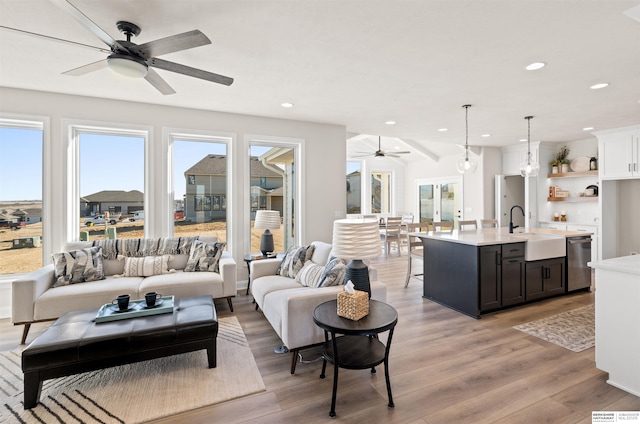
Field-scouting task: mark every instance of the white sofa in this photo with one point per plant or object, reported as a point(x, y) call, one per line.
point(288, 305)
point(34, 299)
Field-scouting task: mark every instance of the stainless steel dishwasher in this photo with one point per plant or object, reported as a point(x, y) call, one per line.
point(578, 254)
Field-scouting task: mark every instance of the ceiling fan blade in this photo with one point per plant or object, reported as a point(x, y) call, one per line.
point(363, 156)
point(61, 40)
point(86, 22)
point(85, 69)
point(156, 80)
point(174, 43)
point(189, 71)
point(405, 152)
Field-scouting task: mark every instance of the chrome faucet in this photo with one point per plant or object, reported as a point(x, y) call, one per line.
point(511, 226)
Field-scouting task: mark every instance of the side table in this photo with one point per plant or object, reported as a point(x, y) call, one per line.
point(358, 346)
point(249, 258)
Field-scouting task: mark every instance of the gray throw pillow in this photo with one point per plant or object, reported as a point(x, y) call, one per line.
point(294, 260)
point(204, 256)
point(310, 274)
point(333, 273)
point(78, 266)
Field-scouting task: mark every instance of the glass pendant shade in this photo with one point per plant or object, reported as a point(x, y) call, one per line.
point(466, 165)
point(529, 167)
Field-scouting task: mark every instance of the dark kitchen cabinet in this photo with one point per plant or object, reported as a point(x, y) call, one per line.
point(545, 278)
point(502, 276)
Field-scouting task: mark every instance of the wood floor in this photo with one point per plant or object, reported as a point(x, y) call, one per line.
point(445, 368)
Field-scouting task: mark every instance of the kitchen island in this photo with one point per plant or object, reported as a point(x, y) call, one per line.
point(618, 321)
point(479, 271)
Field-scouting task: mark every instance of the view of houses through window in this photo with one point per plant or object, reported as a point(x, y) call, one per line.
point(354, 191)
point(20, 196)
point(272, 188)
point(200, 187)
point(381, 192)
point(111, 195)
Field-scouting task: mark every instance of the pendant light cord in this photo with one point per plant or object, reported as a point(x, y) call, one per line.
point(466, 137)
point(528, 118)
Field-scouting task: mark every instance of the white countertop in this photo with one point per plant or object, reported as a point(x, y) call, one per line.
point(491, 236)
point(627, 264)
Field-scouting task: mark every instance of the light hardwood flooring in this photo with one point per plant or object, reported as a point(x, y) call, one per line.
point(445, 368)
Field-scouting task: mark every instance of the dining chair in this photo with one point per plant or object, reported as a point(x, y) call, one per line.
point(442, 227)
point(392, 234)
point(489, 223)
point(471, 224)
point(414, 244)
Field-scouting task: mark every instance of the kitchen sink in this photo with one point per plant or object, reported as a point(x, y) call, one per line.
point(542, 246)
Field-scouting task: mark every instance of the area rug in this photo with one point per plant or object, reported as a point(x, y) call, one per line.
point(573, 330)
point(138, 392)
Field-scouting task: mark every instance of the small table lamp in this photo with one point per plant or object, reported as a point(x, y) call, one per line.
point(355, 240)
point(267, 220)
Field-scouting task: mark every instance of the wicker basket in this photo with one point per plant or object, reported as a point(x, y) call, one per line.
point(353, 306)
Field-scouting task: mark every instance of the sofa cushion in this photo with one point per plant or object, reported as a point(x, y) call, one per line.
point(262, 286)
point(56, 301)
point(310, 274)
point(294, 260)
point(332, 273)
point(184, 284)
point(204, 256)
point(78, 266)
point(321, 252)
point(146, 266)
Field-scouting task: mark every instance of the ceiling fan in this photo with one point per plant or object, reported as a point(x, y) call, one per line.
point(381, 153)
point(136, 60)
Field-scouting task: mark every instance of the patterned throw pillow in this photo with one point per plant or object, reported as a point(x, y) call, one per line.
point(78, 266)
point(204, 256)
point(333, 273)
point(294, 260)
point(310, 274)
point(146, 266)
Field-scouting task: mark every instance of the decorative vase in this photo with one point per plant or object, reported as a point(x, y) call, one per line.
point(564, 168)
point(554, 169)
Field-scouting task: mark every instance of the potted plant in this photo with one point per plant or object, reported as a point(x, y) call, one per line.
point(554, 166)
point(561, 159)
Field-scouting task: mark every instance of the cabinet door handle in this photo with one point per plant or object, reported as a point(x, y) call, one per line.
point(498, 259)
point(629, 167)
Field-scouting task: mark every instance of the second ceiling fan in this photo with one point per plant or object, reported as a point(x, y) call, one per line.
point(381, 153)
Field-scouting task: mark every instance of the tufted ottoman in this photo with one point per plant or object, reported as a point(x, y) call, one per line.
point(75, 343)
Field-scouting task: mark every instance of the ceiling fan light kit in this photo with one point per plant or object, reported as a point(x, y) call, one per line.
point(529, 168)
point(466, 164)
point(127, 66)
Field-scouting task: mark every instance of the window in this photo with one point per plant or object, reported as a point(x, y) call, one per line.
point(21, 205)
point(109, 195)
point(200, 185)
point(380, 192)
point(273, 182)
point(354, 184)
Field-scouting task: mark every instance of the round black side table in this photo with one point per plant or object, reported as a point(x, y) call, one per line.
point(358, 347)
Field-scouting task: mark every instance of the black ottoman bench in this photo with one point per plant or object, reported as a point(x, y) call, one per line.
point(75, 343)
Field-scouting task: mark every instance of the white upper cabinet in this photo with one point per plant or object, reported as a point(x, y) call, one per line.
point(619, 154)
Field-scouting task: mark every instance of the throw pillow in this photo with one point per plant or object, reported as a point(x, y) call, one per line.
point(78, 266)
point(204, 256)
point(294, 260)
point(333, 273)
point(146, 266)
point(310, 274)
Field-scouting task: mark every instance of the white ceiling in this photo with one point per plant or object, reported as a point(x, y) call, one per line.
point(362, 63)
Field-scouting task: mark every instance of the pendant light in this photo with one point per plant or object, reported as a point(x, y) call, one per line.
point(529, 168)
point(465, 164)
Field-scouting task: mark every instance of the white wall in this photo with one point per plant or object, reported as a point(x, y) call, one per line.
point(323, 159)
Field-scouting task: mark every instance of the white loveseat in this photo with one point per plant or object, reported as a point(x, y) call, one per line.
point(288, 305)
point(35, 299)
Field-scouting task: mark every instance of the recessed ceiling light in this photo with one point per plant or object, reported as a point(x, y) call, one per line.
point(587, 128)
point(443, 129)
point(522, 139)
point(390, 122)
point(599, 85)
point(534, 66)
point(286, 104)
point(485, 135)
